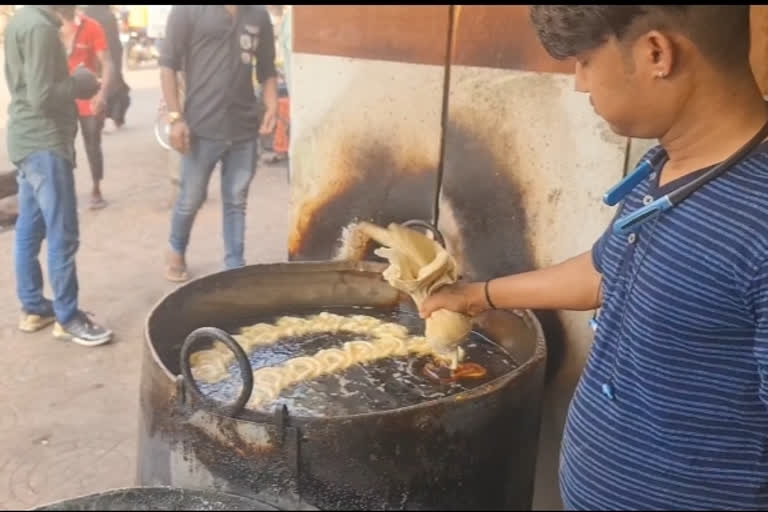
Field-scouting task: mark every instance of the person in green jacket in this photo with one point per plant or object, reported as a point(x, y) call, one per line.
point(42, 125)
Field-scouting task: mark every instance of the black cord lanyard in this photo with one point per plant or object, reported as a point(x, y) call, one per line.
point(626, 224)
point(630, 222)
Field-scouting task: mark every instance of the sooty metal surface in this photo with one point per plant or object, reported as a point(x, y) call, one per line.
point(475, 449)
point(158, 498)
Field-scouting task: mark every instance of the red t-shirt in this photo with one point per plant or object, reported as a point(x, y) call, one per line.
point(89, 41)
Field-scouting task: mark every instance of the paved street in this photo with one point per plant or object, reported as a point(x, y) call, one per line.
point(68, 414)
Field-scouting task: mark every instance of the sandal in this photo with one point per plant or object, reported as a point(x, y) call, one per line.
point(176, 274)
point(277, 158)
point(97, 203)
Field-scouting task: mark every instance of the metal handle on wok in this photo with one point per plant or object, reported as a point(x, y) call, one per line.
point(246, 371)
point(426, 225)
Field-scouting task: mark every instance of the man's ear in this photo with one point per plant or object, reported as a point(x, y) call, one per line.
point(656, 53)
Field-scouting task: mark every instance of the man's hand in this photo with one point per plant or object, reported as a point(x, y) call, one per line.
point(573, 285)
point(268, 123)
point(269, 95)
point(98, 103)
point(459, 297)
point(180, 136)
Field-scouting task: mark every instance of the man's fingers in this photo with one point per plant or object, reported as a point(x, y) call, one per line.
point(180, 139)
point(179, 144)
point(268, 125)
point(427, 307)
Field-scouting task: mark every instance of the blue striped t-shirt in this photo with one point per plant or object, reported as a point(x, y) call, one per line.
point(683, 342)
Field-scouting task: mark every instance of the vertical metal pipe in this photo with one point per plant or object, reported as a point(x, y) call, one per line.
point(453, 15)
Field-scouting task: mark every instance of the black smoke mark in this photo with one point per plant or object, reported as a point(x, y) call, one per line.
point(489, 207)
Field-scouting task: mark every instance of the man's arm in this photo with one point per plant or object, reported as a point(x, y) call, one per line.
point(101, 48)
point(266, 73)
point(572, 285)
point(575, 284)
point(170, 87)
point(44, 92)
point(100, 100)
point(172, 55)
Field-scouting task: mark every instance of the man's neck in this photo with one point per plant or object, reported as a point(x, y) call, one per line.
point(714, 127)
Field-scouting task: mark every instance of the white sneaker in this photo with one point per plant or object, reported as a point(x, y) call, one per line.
point(109, 126)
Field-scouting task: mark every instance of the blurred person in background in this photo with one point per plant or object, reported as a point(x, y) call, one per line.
point(42, 124)
point(118, 95)
point(221, 118)
point(277, 142)
point(286, 43)
point(87, 46)
point(281, 144)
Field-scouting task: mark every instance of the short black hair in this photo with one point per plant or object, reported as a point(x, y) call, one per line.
point(720, 32)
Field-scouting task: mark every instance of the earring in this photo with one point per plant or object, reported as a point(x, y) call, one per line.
point(661, 74)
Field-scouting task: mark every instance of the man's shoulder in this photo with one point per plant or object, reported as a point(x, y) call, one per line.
point(742, 195)
point(29, 18)
point(733, 208)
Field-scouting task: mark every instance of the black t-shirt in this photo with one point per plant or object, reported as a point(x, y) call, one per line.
point(103, 14)
point(218, 54)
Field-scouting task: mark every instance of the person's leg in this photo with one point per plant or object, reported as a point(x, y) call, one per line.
point(196, 168)
point(91, 127)
point(37, 311)
point(124, 104)
point(237, 171)
point(174, 173)
point(58, 204)
point(55, 195)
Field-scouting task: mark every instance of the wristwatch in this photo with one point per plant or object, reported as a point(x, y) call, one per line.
point(173, 117)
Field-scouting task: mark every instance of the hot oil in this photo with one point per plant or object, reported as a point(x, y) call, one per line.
point(383, 384)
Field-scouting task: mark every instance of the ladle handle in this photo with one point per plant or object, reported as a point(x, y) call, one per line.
point(246, 371)
point(426, 225)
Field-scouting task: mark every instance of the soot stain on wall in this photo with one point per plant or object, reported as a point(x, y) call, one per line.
point(486, 200)
point(382, 192)
point(489, 207)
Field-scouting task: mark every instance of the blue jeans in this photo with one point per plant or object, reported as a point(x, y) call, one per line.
point(238, 166)
point(47, 207)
